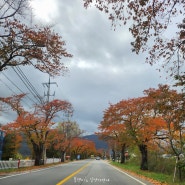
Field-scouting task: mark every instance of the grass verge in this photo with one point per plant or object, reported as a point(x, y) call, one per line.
point(154, 178)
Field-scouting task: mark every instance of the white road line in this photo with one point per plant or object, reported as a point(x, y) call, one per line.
point(127, 175)
point(30, 171)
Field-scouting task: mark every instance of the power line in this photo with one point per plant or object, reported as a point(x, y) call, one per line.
point(12, 91)
point(8, 87)
point(16, 87)
point(28, 84)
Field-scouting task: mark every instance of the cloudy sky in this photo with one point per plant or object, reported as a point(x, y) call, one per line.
point(103, 69)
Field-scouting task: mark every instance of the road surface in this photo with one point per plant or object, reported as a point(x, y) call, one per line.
point(85, 172)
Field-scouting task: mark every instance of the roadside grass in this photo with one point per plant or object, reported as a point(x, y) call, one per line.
point(154, 178)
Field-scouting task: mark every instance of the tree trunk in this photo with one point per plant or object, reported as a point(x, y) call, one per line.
point(180, 174)
point(180, 171)
point(62, 156)
point(144, 156)
point(113, 155)
point(123, 149)
point(38, 151)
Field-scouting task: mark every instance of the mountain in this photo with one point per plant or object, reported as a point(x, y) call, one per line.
point(99, 144)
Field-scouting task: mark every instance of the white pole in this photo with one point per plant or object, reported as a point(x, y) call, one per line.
point(175, 169)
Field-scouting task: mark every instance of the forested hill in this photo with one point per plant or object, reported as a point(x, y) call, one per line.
point(98, 143)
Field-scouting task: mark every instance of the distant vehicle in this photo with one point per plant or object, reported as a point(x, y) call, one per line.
point(97, 158)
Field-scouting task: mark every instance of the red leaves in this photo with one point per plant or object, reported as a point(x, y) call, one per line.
point(50, 109)
point(182, 35)
point(154, 120)
point(79, 145)
point(14, 102)
point(40, 47)
point(35, 126)
point(151, 22)
point(158, 115)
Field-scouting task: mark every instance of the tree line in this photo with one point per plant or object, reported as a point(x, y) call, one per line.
point(24, 43)
point(154, 122)
point(42, 133)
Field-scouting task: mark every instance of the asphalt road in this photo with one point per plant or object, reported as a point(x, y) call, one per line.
point(86, 172)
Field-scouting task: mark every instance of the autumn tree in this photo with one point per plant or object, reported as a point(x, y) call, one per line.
point(39, 47)
point(102, 153)
point(14, 102)
point(151, 23)
point(169, 104)
point(36, 126)
point(88, 149)
point(22, 44)
point(136, 123)
point(56, 143)
point(82, 147)
point(113, 132)
point(62, 136)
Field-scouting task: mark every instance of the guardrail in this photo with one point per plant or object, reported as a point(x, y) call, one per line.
point(24, 163)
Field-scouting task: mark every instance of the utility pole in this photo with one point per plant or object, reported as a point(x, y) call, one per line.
point(48, 86)
point(47, 94)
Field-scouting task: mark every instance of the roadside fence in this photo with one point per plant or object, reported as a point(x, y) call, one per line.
point(24, 163)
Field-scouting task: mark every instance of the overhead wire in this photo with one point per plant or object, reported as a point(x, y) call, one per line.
point(13, 91)
point(8, 87)
point(32, 87)
point(27, 83)
point(16, 87)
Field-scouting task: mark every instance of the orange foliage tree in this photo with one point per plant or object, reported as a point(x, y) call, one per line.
point(39, 47)
point(14, 102)
point(155, 121)
point(22, 44)
point(57, 143)
point(169, 104)
point(36, 126)
point(151, 22)
point(112, 131)
point(134, 121)
point(82, 147)
point(61, 138)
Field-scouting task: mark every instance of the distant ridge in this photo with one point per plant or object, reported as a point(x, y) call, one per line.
point(99, 144)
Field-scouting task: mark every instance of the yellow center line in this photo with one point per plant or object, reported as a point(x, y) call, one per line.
point(73, 174)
